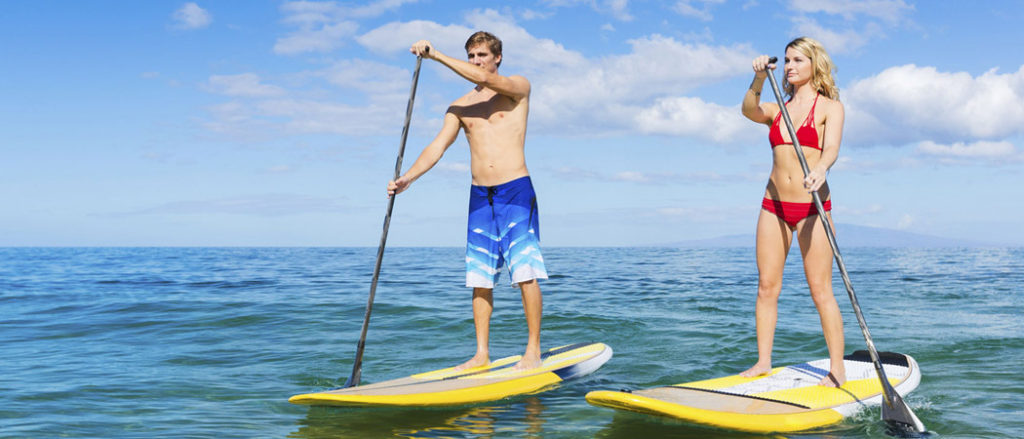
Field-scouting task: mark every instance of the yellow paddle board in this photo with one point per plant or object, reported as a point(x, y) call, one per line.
point(785, 400)
point(488, 383)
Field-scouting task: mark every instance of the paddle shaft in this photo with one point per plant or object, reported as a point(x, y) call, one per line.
point(892, 399)
point(353, 380)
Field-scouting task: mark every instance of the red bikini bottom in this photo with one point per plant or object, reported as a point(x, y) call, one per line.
point(792, 213)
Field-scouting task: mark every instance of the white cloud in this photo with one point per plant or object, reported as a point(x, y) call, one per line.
point(656, 178)
point(617, 91)
point(191, 16)
point(528, 53)
point(380, 92)
point(907, 104)
point(692, 117)
point(368, 76)
point(531, 14)
point(655, 65)
point(242, 85)
point(326, 26)
point(616, 8)
point(280, 169)
point(871, 210)
point(687, 8)
point(905, 222)
point(310, 116)
point(981, 149)
point(888, 10)
point(453, 167)
point(619, 9)
point(843, 37)
point(835, 42)
point(641, 91)
point(316, 38)
point(272, 205)
point(573, 94)
point(376, 8)
point(399, 36)
point(710, 214)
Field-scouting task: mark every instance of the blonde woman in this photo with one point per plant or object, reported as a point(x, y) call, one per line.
point(788, 204)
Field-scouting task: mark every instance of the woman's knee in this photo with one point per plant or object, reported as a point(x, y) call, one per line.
point(821, 293)
point(768, 289)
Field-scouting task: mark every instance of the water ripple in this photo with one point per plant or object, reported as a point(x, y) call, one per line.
point(210, 342)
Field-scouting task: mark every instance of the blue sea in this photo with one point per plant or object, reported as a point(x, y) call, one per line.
point(211, 342)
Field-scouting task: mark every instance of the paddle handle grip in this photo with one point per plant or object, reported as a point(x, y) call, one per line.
point(773, 60)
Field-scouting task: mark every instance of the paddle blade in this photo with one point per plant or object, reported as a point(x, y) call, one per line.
point(902, 422)
point(353, 380)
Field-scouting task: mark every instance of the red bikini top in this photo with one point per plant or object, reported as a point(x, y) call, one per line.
point(807, 134)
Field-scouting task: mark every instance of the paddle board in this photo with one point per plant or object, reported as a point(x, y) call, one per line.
point(488, 383)
point(787, 399)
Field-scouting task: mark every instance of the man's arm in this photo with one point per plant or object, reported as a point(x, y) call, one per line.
point(516, 87)
point(430, 155)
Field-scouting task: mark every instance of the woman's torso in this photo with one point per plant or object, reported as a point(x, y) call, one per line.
point(786, 181)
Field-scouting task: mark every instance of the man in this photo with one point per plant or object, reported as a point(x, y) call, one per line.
point(503, 219)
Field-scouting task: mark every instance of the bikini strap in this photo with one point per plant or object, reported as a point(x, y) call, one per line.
point(810, 117)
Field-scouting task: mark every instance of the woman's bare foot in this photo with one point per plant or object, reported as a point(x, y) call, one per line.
point(832, 380)
point(757, 370)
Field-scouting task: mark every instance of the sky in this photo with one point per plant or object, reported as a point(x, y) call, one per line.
point(277, 123)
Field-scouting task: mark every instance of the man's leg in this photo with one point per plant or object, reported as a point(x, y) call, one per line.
point(483, 305)
point(532, 307)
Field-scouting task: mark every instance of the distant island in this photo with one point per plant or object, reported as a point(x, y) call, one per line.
point(848, 235)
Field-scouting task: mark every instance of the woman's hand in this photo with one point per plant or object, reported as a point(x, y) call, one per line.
point(815, 179)
point(761, 66)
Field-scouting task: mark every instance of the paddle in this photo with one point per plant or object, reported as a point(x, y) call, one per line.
point(357, 371)
point(894, 411)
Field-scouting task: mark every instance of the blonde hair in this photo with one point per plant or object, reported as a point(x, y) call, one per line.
point(821, 64)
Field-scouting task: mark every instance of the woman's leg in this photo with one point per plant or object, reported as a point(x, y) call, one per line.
point(773, 240)
point(817, 254)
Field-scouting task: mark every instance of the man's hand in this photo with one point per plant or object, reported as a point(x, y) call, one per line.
point(424, 49)
point(397, 186)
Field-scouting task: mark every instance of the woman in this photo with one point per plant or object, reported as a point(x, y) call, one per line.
point(788, 204)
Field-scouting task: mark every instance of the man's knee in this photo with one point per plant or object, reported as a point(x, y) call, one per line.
point(530, 287)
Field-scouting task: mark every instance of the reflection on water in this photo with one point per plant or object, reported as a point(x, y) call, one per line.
point(627, 425)
point(523, 416)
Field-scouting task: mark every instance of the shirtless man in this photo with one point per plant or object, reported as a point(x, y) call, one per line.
point(503, 220)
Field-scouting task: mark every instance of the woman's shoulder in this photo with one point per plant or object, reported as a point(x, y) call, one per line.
point(828, 105)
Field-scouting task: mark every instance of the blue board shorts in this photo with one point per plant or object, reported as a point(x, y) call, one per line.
point(504, 229)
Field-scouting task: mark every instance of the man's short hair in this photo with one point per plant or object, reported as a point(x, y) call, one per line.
point(481, 37)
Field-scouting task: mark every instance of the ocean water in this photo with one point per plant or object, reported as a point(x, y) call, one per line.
point(210, 342)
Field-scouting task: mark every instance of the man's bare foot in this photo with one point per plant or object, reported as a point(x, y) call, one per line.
point(757, 370)
point(529, 361)
point(477, 361)
point(831, 380)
